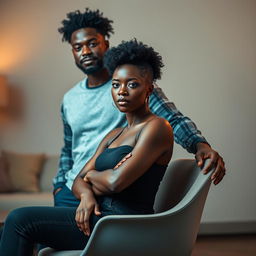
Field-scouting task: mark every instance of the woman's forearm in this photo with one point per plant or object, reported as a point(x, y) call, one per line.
point(105, 182)
point(81, 187)
point(102, 182)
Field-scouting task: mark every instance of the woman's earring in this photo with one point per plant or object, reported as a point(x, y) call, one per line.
point(147, 100)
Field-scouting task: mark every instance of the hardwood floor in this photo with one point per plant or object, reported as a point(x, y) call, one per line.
point(232, 245)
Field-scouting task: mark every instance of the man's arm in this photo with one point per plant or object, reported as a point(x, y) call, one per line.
point(187, 135)
point(185, 131)
point(66, 161)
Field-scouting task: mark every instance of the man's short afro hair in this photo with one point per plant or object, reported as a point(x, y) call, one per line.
point(136, 53)
point(89, 19)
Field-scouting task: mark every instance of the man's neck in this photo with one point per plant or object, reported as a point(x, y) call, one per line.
point(98, 78)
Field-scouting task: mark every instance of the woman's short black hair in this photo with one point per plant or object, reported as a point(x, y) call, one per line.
point(88, 19)
point(136, 53)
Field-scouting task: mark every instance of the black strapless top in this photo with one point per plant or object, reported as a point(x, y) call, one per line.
point(142, 192)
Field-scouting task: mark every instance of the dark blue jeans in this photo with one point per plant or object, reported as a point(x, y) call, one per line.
point(53, 226)
point(66, 198)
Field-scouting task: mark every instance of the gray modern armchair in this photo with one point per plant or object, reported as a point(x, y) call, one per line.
point(172, 230)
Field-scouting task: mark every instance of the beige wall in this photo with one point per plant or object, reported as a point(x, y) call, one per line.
point(209, 50)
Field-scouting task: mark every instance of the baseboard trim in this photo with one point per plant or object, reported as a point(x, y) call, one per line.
point(222, 228)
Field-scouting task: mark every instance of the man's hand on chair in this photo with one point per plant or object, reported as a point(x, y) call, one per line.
point(204, 151)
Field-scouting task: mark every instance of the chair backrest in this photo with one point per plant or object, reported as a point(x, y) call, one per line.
point(178, 179)
point(182, 196)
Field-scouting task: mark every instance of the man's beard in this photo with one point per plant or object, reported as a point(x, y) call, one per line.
point(90, 70)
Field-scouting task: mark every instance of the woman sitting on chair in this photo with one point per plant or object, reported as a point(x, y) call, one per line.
point(124, 174)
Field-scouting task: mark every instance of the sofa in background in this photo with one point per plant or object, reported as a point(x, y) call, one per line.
point(37, 170)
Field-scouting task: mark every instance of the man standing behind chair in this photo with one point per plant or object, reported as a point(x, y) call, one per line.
point(88, 113)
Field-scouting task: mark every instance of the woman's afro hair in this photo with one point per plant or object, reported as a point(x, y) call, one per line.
point(136, 53)
point(92, 19)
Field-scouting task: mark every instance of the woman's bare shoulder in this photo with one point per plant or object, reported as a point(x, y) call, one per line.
point(158, 129)
point(160, 124)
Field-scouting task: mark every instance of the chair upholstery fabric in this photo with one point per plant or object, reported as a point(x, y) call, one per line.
point(172, 230)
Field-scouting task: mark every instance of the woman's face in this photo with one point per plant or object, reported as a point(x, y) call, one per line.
point(130, 87)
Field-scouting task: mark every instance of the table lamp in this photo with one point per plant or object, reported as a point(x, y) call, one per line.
point(3, 92)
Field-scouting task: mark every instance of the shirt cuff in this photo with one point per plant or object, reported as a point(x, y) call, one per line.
point(193, 148)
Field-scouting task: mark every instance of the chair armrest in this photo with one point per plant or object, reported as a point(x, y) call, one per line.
point(135, 234)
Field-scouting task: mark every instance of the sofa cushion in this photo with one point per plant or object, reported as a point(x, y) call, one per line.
point(10, 201)
point(24, 170)
point(5, 182)
point(49, 171)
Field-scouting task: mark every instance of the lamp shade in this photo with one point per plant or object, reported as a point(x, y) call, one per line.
point(3, 91)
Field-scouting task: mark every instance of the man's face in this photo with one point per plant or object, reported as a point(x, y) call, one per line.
point(88, 47)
